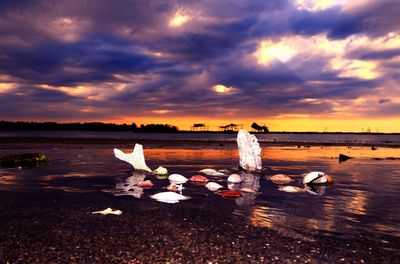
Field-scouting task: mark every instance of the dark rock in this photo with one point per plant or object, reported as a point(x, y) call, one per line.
point(29, 160)
point(343, 157)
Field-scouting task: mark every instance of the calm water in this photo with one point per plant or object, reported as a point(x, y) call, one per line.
point(365, 139)
point(363, 199)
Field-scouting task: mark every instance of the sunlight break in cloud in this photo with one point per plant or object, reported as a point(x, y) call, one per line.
point(317, 5)
point(161, 111)
point(222, 89)
point(296, 51)
point(178, 19)
point(269, 51)
point(6, 87)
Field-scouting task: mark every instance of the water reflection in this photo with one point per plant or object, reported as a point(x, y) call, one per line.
point(357, 202)
point(315, 189)
point(363, 197)
point(251, 184)
point(129, 186)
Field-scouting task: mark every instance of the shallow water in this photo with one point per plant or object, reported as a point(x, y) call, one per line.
point(322, 138)
point(362, 200)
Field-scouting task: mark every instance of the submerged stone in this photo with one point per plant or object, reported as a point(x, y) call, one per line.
point(343, 157)
point(29, 160)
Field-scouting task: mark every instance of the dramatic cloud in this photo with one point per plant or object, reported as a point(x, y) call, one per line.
point(262, 60)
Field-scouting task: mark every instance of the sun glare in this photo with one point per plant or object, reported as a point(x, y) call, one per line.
point(219, 88)
point(5, 87)
point(162, 111)
point(178, 20)
point(317, 5)
point(269, 51)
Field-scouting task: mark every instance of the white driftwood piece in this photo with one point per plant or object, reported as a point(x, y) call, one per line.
point(249, 151)
point(108, 211)
point(136, 158)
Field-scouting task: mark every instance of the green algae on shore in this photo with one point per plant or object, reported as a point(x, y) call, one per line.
point(29, 160)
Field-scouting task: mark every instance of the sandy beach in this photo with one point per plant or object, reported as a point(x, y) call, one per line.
point(57, 227)
point(46, 213)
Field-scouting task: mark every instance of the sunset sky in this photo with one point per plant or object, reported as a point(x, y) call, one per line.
point(294, 65)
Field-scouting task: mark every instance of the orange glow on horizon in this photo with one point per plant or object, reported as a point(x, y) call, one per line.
point(389, 125)
point(276, 124)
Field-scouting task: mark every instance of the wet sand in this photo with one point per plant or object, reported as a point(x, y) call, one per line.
point(57, 227)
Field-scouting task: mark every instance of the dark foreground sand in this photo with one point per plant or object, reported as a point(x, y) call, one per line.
point(58, 227)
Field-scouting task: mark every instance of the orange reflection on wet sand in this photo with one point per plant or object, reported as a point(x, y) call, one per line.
point(318, 152)
point(357, 203)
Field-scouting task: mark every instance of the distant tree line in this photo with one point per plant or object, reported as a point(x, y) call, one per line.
point(91, 126)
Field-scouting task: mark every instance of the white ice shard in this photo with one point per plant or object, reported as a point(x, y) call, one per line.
point(136, 158)
point(108, 211)
point(177, 178)
point(315, 177)
point(249, 151)
point(169, 197)
point(160, 171)
point(213, 186)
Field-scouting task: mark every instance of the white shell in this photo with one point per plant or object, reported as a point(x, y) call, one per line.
point(249, 151)
point(234, 178)
point(291, 189)
point(315, 177)
point(208, 171)
point(212, 172)
point(213, 186)
point(175, 187)
point(136, 158)
point(169, 197)
point(177, 178)
point(281, 179)
point(160, 171)
point(108, 211)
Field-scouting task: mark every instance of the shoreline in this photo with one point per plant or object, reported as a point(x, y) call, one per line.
point(180, 143)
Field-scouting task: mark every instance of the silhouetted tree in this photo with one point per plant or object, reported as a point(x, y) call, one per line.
point(259, 128)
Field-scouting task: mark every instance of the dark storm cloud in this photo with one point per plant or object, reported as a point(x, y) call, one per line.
point(46, 62)
point(107, 43)
point(382, 101)
point(376, 55)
